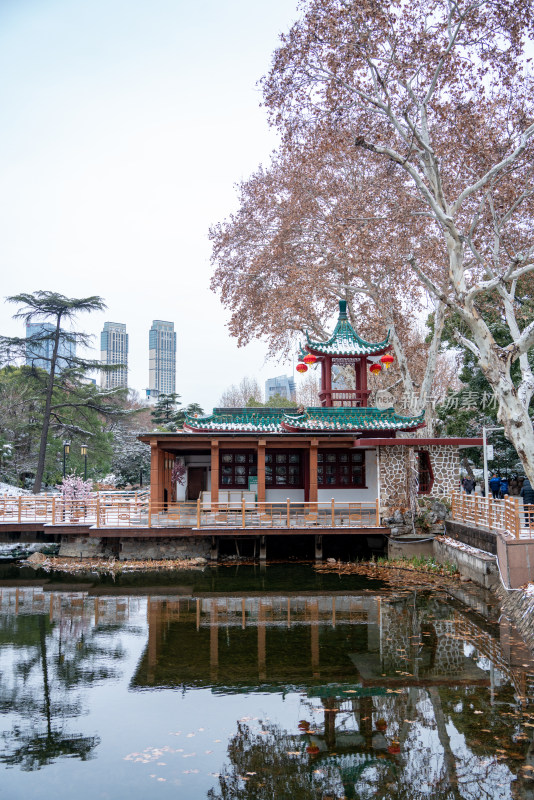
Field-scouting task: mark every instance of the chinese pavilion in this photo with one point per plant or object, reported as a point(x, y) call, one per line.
point(342, 449)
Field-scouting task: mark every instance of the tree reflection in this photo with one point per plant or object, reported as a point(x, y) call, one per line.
point(48, 668)
point(273, 763)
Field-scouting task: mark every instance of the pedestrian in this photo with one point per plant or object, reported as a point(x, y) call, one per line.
point(469, 485)
point(504, 487)
point(513, 486)
point(527, 493)
point(495, 486)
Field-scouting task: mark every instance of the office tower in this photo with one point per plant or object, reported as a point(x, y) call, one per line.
point(39, 354)
point(114, 350)
point(282, 385)
point(161, 359)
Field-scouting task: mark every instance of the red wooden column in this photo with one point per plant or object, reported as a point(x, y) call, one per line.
point(261, 470)
point(363, 382)
point(157, 472)
point(328, 380)
point(214, 471)
point(312, 492)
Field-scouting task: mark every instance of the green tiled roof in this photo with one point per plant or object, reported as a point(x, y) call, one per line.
point(351, 419)
point(269, 420)
point(238, 419)
point(345, 341)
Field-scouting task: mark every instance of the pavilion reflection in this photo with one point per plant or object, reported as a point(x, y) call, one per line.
point(368, 640)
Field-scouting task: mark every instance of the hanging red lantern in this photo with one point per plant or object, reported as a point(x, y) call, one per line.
point(312, 749)
point(309, 358)
point(394, 748)
point(302, 367)
point(375, 368)
point(387, 360)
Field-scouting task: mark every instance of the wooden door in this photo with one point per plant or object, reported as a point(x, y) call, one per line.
point(196, 482)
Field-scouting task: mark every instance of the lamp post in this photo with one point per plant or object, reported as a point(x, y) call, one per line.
point(66, 451)
point(485, 453)
point(84, 454)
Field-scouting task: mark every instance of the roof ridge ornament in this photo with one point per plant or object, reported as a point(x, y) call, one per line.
point(345, 342)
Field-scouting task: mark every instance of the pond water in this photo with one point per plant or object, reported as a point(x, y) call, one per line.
point(248, 683)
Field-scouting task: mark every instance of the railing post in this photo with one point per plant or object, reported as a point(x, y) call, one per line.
point(243, 512)
point(476, 511)
point(517, 519)
point(150, 512)
point(377, 520)
point(53, 510)
point(453, 502)
point(98, 511)
point(288, 512)
point(333, 513)
point(198, 513)
point(19, 515)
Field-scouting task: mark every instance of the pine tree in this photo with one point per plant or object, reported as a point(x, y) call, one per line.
point(63, 381)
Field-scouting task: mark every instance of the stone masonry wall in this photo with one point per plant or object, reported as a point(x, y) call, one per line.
point(394, 462)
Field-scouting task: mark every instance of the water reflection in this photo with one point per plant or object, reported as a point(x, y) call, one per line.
point(399, 694)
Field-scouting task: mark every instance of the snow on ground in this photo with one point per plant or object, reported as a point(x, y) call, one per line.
point(465, 547)
point(12, 491)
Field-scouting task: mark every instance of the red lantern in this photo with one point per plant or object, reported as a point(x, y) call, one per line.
point(387, 360)
point(312, 749)
point(302, 367)
point(394, 748)
point(309, 358)
point(374, 368)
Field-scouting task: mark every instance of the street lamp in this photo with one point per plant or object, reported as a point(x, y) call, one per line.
point(84, 454)
point(66, 451)
point(485, 453)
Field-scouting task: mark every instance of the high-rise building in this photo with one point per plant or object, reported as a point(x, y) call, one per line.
point(282, 385)
point(114, 350)
point(39, 354)
point(161, 359)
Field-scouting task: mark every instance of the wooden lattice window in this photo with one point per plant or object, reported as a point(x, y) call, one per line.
point(283, 469)
point(425, 474)
point(341, 468)
point(236, 467)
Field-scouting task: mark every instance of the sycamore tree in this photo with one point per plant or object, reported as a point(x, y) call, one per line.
point(440, 91)
point(322, 224)
point(68, 400)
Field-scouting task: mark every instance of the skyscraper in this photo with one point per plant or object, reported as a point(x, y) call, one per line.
point(282, 385)
point(39, 354)
point(114, 350)
point(161, 359)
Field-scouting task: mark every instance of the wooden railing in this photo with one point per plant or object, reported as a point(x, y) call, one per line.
point(510, 515)
point(121, 511)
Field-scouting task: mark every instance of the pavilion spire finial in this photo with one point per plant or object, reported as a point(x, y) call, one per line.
point(343, 309)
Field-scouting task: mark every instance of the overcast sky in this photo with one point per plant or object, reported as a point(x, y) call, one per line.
point(125, 125)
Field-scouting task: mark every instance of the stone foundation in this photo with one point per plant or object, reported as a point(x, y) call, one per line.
point(156, 549)
point(82, 547)
point(134, 549)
